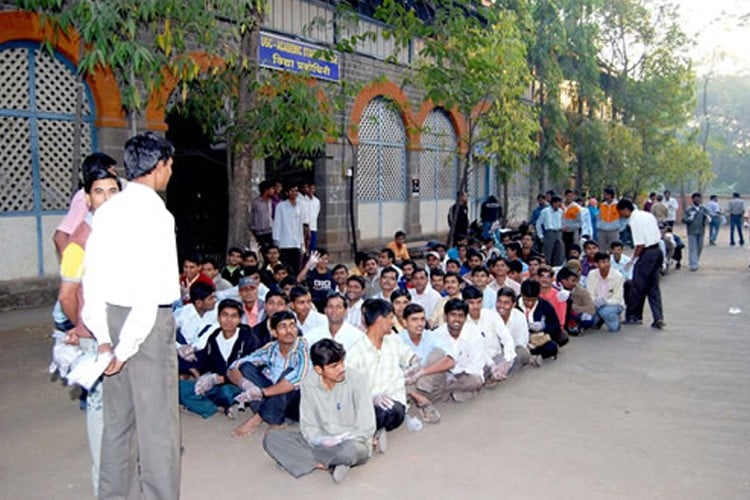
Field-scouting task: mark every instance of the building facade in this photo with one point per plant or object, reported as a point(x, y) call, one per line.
point(393, 167)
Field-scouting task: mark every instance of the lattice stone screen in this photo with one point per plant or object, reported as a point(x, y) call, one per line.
point(437, 171)
point(37, 113)
point(381, 170)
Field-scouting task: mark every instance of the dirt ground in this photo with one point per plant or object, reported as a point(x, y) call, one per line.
point(638, 414)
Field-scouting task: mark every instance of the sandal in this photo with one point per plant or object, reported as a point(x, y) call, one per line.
point(429, 413)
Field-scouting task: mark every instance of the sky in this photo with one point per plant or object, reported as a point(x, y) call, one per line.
point(715, 25)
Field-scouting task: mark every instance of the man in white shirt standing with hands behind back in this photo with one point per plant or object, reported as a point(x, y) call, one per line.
point(136, 318)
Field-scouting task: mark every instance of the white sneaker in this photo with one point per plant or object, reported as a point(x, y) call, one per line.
point(339, 473)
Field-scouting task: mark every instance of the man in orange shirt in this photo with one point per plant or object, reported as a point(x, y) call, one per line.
point(398, 245)
point(608, 225)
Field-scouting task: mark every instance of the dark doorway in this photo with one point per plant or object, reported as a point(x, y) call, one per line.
point(197, 192)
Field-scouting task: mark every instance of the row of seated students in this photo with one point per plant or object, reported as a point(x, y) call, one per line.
point(352, 360)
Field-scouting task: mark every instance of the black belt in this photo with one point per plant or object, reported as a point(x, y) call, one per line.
point(165, 306)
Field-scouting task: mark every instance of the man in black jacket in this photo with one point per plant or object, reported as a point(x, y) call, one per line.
point(458, 218)
point(231, 341)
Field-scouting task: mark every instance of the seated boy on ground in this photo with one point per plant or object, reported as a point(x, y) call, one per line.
point(232, 340)
point(426, 385)
point(337, 420)
point(270, 377)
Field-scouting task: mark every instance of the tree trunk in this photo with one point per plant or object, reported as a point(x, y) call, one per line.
point(242, 166)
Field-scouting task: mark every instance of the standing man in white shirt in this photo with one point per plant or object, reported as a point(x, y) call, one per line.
point(672, 206)
point(646, 264)
point(313, 212)
point(287, 229)
point(135, 227)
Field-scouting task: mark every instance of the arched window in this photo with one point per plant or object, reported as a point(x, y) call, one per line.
point(438, 171)
point(381, 170)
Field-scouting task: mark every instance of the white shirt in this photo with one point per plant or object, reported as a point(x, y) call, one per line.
point(672, 205)
point(196, 329)
point(287, 225)
point(489, 298)
point(518, 327)
point(509, 282)
point(429, 299)
point(644, 227)
point(347, 335)
point(226, 344)
point(495, 336)
point(354, 314)
point(313, 211)
point(468, 350)
point(384, 367)
point(131, 231)
point(313, 320)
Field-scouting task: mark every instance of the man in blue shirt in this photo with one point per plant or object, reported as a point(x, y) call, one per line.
point(549, 227)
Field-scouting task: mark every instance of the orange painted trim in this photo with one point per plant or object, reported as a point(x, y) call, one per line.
point(389, 90)
point(157, 101)
point(26, 26)
point(455, 117)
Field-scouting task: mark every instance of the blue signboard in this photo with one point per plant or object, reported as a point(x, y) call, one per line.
point(286, 54)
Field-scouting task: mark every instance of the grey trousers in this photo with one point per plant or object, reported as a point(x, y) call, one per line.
point(606, 238)
point(523, 356)
point(695, 249)
point(463, 387)
point(432, 386)
point(140, 455)
point(295, 455)
point(554, 250)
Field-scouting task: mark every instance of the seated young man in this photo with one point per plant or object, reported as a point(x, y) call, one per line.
point(407, 269)
point(437, 281)
point(545, 332)
point(383, 358)
point(232, 272)
point(499, 348)
point(191, 273)
point(318, 277)
point(580, 311)
point(272, 258)
point(467, 376)
point(535, 263)
point(301, 305)
point(388, 283)
point(473, 259)
point(252, 305)
point(337, 420)
point(355, 292)
point(590, 248)
point(211, 269)
point(398, 245)
point(399, 300)
point(452, 291)
point(422, 293)
point(276, 301)
point(340, 276)
point(249, 259)
point(480, 278)
point(426, 385)
point(517, 325)
point(499, 268)
point(337, 329)
point(516, 271)
point(606, 287)
point(232, 340)
point(548, 292)
point(387, 258)
point(270, 377)
point(194, 322)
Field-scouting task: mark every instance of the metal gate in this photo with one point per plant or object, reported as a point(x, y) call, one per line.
point(438, 172)
point(37, 113)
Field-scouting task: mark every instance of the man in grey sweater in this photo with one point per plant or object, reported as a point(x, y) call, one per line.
point(337, 419)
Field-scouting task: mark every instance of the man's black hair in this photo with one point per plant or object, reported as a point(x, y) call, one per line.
point(96, 174)
point(229, 304)
point(471, 292)
point(506, 291)
point(412, 309)
point(280, 316)
point(193, 257)
point(599, 256)
point(390, 253)
point(358, 279)
point(390, 270)
point(530, 288)
point(333, 294)
point(200, 290)
point(234, 250)
point(625, 204)
point(455, 305)
point(437, 272)
point(399, 292)
point(297, 292)
point(273, 292)
point(326, 352)
point(143, 152)
point(373, 309)
point(515, 266)
point(419, 270)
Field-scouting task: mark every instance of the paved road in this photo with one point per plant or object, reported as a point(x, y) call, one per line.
point(639, 414)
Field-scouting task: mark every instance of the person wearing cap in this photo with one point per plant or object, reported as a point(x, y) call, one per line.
point(646, 263)
point(432, 260)
point(252, 306)
point(606, 288)
point(141, 440)
point(271, 376)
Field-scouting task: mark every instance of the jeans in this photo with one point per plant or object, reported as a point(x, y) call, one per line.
point(713, 228)
point(207, 404)
point(695, 249)
point(610, 314)
point(735, 222)
point(273, 409)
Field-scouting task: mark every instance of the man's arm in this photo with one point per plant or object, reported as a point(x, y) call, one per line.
point(444, 364)
point(68, 297)
point(60, 239)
